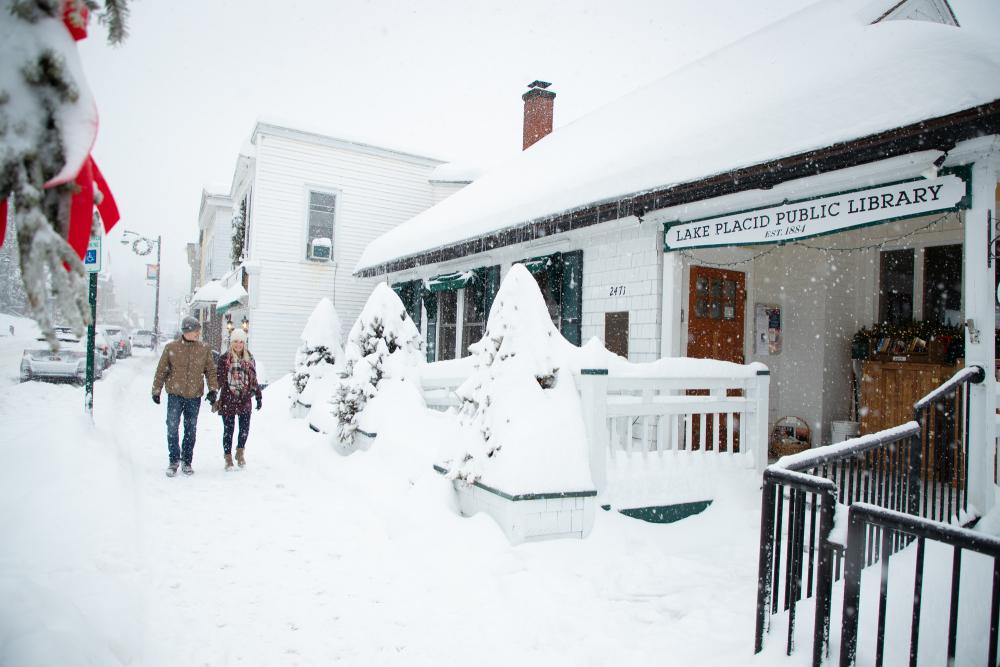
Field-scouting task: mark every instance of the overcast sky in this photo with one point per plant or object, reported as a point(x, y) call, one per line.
point(437, 77)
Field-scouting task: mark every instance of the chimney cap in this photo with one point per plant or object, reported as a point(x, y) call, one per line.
point(539, 84)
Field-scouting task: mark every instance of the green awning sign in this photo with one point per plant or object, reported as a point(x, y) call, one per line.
point(450, 281)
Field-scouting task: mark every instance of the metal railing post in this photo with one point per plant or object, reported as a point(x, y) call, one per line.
point(824, 578)
point(765, 574)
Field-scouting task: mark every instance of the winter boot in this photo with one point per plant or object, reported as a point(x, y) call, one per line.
point(172, 469)
point(229, 460)
point(187, 469)
point(240, 461)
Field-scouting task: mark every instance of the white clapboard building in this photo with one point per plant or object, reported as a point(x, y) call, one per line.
point(308, 205)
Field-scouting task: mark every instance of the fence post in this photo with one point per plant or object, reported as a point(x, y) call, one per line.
point(824, 576)
point(853, 564)
point(759, 432)
point(765, 566)
point(594, 399)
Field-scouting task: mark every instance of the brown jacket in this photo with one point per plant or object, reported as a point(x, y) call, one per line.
point(182, 367)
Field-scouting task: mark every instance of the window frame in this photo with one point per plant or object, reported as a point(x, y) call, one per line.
point(336, 193)
point(918, 307)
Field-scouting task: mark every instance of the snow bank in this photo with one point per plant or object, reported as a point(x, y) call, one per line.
point(521, 401)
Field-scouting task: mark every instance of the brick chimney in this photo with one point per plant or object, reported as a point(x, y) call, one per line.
point(538, 104)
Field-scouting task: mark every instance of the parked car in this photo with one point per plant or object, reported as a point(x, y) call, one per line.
point(143, 338)
point(105, 349)
point(39, 362)
point(104, 352)
point(119, 339)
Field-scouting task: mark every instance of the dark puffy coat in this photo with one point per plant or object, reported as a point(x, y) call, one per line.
point(229, 403)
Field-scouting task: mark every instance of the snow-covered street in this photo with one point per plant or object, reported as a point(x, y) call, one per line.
point(306, 557)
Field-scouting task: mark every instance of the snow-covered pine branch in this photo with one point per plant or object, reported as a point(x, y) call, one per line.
point(317, 357)
point(383, 344)
point(47, 120)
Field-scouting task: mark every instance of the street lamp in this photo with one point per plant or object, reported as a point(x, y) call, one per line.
point(142, 246)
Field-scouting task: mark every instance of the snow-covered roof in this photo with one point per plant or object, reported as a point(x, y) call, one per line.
point(455, 172)
point(319, 135)
point(819, 77)
point(210, 292)
point(230, 295)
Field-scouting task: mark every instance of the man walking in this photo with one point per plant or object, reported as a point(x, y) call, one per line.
point(185, 365)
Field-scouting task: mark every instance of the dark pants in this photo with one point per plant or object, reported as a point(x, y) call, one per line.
point(177, 406)
point(228, 425)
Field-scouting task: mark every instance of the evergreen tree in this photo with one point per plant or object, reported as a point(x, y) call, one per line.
point(382, 343)
point(37, 70)
point(239, 234)
point(12, 297)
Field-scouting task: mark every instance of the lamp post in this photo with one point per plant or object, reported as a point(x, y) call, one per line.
point(142, 246)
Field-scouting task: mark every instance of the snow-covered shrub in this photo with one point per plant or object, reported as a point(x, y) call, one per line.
point(521, 400)
point(318, 355)
point(384, 345)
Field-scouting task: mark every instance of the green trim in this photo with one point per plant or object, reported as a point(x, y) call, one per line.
point(525, 496)
point(449, 281)
point(541, 263)
point(963, 172)
point(664, 513)
point(593, 371)
point(764, 372)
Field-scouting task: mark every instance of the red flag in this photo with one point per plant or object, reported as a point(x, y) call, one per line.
point(81, 210)
point(107, 207)
point(77, 27)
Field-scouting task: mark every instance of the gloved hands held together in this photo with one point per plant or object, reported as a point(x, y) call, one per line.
point(212, 395)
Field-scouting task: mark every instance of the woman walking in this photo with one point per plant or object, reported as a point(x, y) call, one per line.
point(237, 377)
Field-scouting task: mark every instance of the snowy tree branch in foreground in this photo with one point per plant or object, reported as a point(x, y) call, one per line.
point(46, 113)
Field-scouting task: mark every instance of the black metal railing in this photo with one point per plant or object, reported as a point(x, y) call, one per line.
point(866, 520)
point(901, 469)
point(944, 447)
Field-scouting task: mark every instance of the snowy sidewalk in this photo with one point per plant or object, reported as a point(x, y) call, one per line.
point(307, 558)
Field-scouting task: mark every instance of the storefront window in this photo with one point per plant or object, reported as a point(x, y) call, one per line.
point(896, 287)
point(474, 316)
point(447, 322)
point(943, 284)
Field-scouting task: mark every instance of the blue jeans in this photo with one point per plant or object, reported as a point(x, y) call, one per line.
point(228, 425)
point(177, 406)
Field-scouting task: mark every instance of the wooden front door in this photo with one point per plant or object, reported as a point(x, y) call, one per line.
point(715, 331)
point(715, 314)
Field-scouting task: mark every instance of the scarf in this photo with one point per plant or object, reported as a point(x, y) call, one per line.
point(237, 378)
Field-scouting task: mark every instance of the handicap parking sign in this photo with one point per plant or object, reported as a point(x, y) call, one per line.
point(92, 260)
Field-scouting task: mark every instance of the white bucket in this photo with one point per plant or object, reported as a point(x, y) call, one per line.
point(843, 430)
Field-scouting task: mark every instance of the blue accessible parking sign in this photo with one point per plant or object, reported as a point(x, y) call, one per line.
point(92, 260)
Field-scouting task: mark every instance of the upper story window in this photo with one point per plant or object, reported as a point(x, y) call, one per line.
point(319, 240)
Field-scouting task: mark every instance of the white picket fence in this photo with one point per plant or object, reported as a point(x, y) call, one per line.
point(641, 415)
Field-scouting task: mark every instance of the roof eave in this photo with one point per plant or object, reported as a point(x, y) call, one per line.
point(940, 133)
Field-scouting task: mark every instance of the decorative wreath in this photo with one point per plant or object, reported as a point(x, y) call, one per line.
point(142, 246)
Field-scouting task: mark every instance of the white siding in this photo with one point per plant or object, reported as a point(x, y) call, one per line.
point(631, 259)
point(375, 192)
